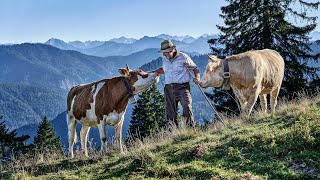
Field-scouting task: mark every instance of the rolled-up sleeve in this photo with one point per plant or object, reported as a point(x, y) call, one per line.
point(190, 64)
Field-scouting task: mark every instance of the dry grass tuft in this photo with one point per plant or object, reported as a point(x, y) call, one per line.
point(198, 151)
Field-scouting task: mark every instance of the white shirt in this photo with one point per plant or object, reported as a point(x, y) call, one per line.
point(175, 70)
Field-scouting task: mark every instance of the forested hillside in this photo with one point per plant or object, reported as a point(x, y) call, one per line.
point(28, 69)
point(47, 66)
point(23, 104)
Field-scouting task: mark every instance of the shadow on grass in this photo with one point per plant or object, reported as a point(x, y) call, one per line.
point(43, 169)
point(181, 157)
point(63, 165)
point(134, 167)
point(191, 171)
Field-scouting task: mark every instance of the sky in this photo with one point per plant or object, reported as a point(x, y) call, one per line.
point(70, 20)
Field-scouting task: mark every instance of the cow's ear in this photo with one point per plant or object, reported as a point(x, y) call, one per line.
point(123, 72)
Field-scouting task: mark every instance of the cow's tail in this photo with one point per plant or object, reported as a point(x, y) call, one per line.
point(71, 122)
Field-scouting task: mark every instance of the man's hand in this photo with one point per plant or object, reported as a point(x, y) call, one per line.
point(159, 71)
point(196, 81)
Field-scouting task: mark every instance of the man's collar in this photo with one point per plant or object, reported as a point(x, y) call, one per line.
point(175, 57)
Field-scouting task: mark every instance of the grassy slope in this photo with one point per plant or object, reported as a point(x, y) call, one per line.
point(286, 146)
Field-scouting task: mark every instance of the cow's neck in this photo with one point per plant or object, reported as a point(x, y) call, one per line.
point(236, 74)
point(123, 95)
point(128, 87)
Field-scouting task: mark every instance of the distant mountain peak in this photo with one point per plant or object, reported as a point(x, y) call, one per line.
point(205, 35)
point(54, 40)
point(86, 44)
point(123, 40)
point(186, 39)
point(315, 35)
point(60, 44)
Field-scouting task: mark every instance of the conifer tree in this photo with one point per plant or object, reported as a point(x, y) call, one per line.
point(10, 138)
point(252, 25)
point(45, 138)
point(148, 114)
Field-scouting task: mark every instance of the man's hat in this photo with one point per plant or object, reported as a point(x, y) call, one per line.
point(167, 46)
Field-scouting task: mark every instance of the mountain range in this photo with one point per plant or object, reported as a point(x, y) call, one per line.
point(124, 46)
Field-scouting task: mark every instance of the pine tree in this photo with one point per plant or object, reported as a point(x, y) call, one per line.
point(148, 114)
point(45, 138)
point(11, 140)
point(264, 24)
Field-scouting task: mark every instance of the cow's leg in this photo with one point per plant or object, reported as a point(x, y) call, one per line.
point(72, 136)
point(243, 104)
point(273, 99)
point(103, 136)
point(252, 100)
point(84, 138)
point(263, 102)
point(119, 132)
point(240, 97)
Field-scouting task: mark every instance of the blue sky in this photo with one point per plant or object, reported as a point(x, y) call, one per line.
point(40, 20)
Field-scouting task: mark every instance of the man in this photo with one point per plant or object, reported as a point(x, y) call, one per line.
point(177, 77)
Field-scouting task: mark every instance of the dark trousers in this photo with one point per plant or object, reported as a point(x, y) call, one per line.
point(175, 93)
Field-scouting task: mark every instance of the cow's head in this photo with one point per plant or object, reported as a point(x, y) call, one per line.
point(139, 79)
point(213, 76)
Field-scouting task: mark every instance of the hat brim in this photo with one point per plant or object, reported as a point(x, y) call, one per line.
point(168, 49)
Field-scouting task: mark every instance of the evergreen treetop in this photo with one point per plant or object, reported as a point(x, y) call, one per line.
point(148, 114)
point(45, 138)
point(10, 138)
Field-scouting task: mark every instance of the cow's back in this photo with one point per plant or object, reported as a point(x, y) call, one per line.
point(83, 96)
point(259, 66)
point(271, 67)
point(92, 101)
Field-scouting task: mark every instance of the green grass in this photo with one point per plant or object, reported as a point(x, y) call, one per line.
point(286, 146)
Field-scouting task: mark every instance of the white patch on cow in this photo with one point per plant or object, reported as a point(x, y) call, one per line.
point(71, 106)
point(83, 84)
point(92, 89)
point(91, 117)
point(143, 83)
point(113, 118)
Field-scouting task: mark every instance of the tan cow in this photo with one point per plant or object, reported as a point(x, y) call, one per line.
point(251, 74)
point(104, 103)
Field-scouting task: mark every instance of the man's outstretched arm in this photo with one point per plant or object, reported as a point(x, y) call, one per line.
point(159, 71)
point(196, 79)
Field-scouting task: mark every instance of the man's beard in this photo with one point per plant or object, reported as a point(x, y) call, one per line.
point(170, 55)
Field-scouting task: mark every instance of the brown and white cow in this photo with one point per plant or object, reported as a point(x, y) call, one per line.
point(251, 74)
point(104, 103)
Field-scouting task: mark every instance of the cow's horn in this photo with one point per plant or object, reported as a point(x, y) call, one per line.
point(127, 67)
point(209, 57)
